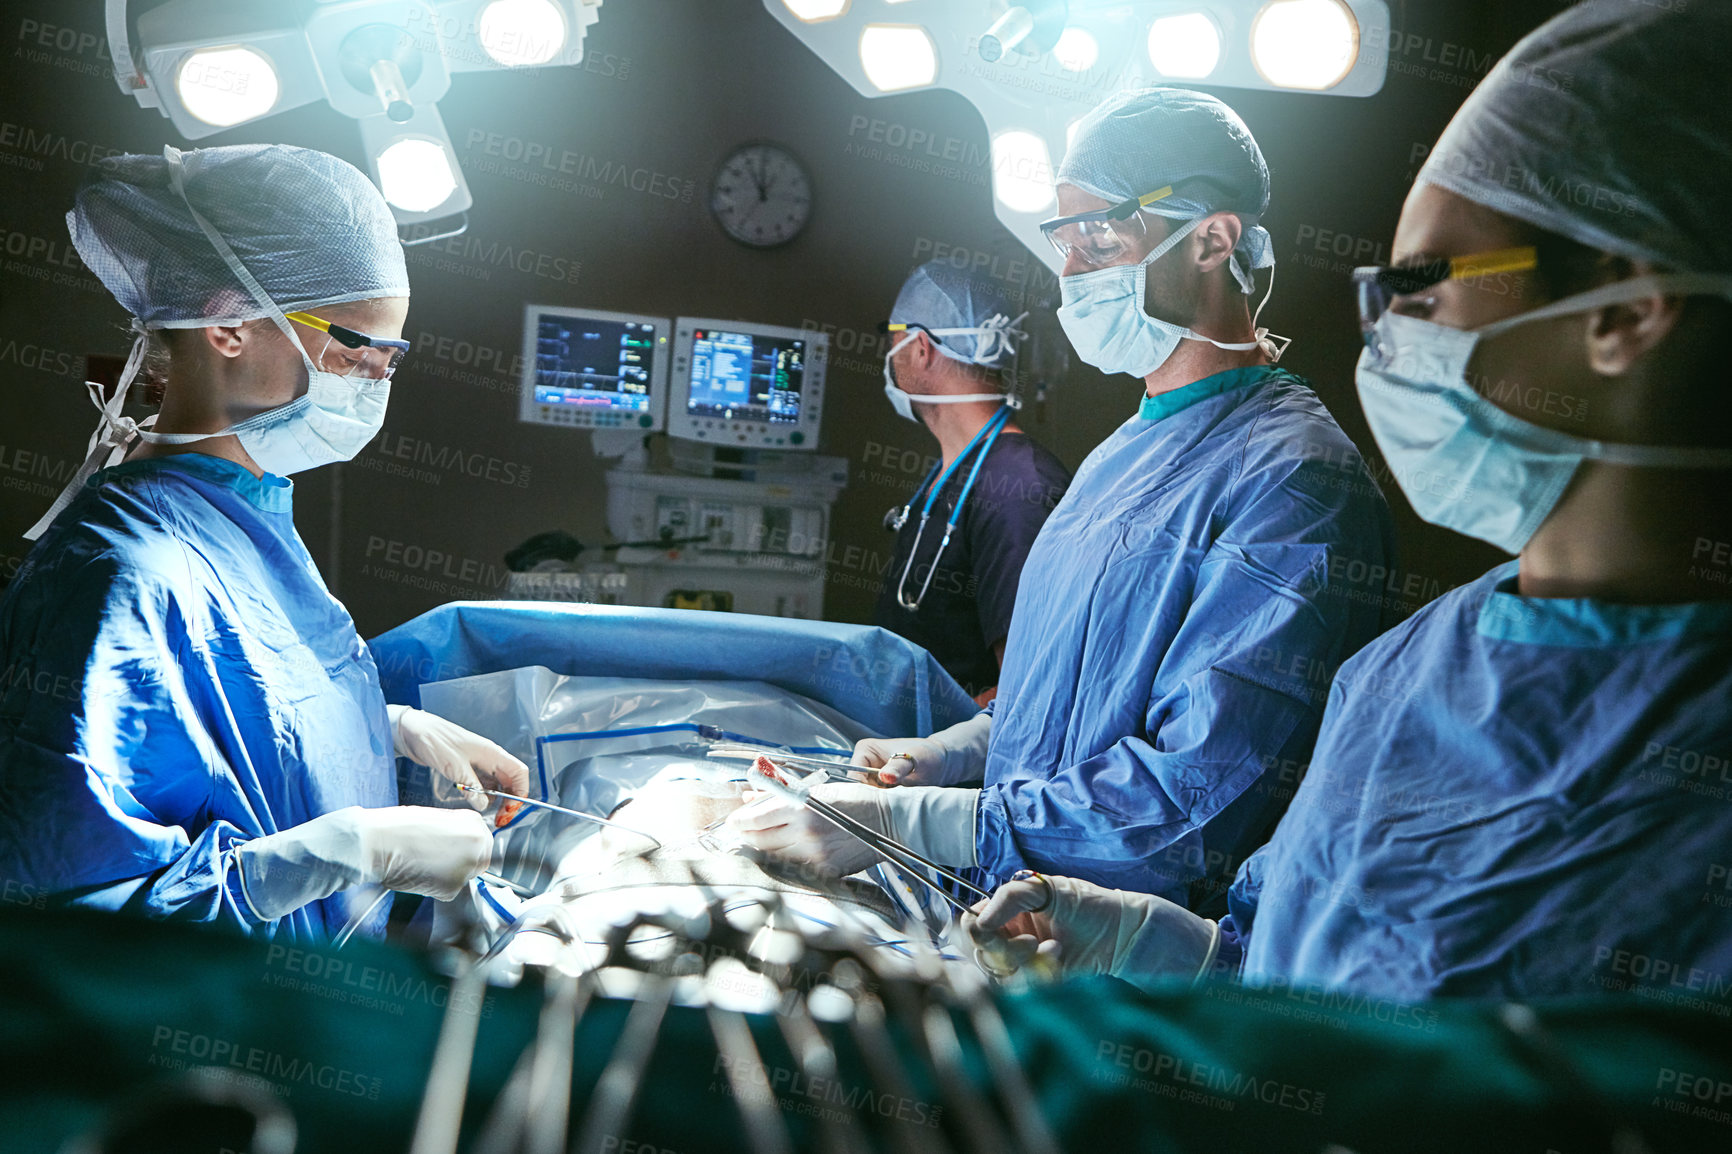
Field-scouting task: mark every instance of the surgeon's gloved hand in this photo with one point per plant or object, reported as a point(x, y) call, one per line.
point(949, 757)
point(1091, 930)
point(459, 756)
point(786, 829)
point(937, 824)
point(412, 848)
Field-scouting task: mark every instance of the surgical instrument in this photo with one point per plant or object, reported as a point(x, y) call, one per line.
point(555, 808)
point(883, 843)
point(794, 761)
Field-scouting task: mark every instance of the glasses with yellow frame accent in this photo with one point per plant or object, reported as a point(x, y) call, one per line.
point(1102, 237)
point(356, 354)
point(1378, 287)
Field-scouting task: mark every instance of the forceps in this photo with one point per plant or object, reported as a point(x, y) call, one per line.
point(555, 808)
point(806, 765)
point(892, 849)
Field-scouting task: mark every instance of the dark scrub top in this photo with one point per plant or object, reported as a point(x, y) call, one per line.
point(967, 609)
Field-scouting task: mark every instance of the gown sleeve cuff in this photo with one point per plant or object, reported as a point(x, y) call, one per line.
point(396, 713)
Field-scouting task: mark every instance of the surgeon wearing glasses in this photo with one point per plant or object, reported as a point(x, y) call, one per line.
point(191, 728)
point(1182, 609)
point(964, 533)
point(1524, 785)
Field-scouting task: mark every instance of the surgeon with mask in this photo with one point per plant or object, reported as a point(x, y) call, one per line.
point(1183, 608)
point(190, 727)
point(1524, 789)
point(962, 537)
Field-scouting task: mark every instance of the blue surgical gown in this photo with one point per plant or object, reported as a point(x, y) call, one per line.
point(176, 680)
point(1178, 622)
point(1512, 797)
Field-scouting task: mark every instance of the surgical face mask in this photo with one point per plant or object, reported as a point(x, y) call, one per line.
point(1465, 463)
point(1104, 318)
point(903, 401)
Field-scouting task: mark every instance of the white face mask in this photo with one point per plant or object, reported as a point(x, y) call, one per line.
point(1104, 318)
point(1465, 463)
point(903, 401)
point(332, 422)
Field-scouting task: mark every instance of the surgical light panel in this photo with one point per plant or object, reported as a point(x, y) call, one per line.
point(417, 174)
point(896, 57)
point(1306, 44)
point(1185, 47)
point(227, 85)
point(519, 33)
point(209, 65)
point(1022, 176)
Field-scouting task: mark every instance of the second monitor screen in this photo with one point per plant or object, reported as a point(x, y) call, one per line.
point(746, 377)
point(594, 363)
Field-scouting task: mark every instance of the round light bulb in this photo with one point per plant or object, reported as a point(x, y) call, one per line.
point(1076, 50)
point(519, 33)
point(224, 86)
point(1310, 44)
point(415, 174)
point(1187, 47)
point(898, 56)
point(1022, 176)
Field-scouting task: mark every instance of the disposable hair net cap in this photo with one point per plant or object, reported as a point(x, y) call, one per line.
point(312, 230)
point(1145, 139)
point(943, 297)
point(1607, 125)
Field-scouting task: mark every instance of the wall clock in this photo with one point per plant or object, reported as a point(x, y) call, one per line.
point(761, 195)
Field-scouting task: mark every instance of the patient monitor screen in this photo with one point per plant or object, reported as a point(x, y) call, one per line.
point(746, 377)
point(594, 364)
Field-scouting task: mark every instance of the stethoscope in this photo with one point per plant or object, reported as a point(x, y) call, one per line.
point(896, 518)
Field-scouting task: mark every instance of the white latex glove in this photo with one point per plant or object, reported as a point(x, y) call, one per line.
point(413, 848)
point(937, 824)
point(1091, 930)
point(949, 757)
point(459, 756)
point(789, 830)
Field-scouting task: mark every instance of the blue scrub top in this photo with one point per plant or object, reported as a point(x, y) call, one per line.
point(1178, 622)
point(1512, 797)
point(176, 680)
point(968, 607)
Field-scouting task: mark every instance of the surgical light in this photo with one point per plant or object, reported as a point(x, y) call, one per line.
point(209, 65)
point(416, 174)
point(1077, 53)
point(1185, 47)
point(812, 11)
point(1022, 176)
point(518, 33)
point(1310, 44)
point(224, 86)
point(898, 56)
point(1077, 50)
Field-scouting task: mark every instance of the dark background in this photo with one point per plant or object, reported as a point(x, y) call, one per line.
point(673, 86)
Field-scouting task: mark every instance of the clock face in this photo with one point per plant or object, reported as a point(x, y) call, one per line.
point(762, 196)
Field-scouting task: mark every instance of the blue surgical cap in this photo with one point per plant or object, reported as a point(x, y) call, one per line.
point(1145, 139)
point(1612, 125)
point(310, 228)
point(941, 296)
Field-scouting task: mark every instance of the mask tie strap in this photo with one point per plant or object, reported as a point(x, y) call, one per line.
point(113, 433)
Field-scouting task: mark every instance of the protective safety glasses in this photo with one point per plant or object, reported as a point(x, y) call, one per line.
point(1379, 286)
point(357, 354)
point(898, 329)
point(1102, 237)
